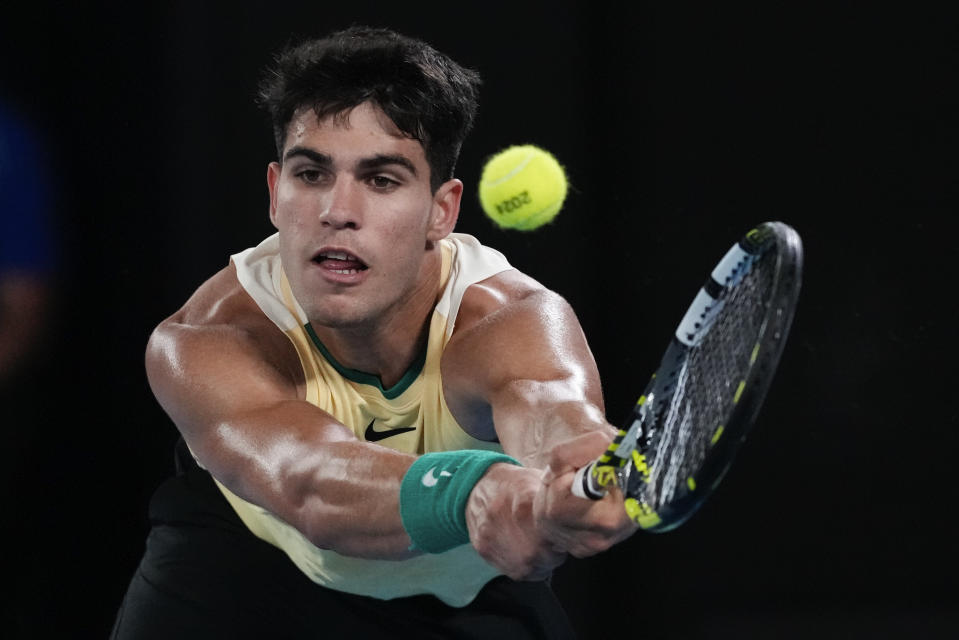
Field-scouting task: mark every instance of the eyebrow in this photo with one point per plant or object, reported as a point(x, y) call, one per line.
point(315, 156)
point(383, 160)
point(373, 162)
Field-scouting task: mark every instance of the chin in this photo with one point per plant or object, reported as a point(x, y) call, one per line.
point(337, 318)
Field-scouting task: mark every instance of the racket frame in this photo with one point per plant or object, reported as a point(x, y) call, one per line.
point(626, 461)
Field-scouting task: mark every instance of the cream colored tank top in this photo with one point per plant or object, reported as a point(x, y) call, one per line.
point(411, 417)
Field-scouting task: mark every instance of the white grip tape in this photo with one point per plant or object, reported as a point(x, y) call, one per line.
point(578, 480)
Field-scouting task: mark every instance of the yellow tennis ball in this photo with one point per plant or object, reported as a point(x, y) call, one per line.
point(522, 187)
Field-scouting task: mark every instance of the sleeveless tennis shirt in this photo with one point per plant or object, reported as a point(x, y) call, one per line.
point(411, 417)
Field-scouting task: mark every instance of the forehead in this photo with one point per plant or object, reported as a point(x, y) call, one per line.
point(361, 132)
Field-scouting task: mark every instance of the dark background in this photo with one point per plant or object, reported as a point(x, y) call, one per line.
point(680, 127)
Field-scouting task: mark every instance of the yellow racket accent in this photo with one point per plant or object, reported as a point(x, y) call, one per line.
point(691, 483)
point(642, 514)
point(604, 475)
point(717, 435)
point(755, 354)
point(739, 391)
point(639, 461)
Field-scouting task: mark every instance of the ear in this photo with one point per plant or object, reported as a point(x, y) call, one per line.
point(445, 210)
point(272, 180)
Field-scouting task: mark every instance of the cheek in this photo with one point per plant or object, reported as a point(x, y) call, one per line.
point(404, 230)
point(284, 204)
point(403, 242)
point(289, 213)
point(410, 224)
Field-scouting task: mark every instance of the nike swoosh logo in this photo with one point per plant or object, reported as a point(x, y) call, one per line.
point(372, 435)
point(430, 479)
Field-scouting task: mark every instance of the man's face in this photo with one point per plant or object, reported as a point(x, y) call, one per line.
point(353, 206)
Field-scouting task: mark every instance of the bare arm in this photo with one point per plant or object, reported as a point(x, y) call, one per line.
point(526, 368)
point(520, 370)
point(229, 380)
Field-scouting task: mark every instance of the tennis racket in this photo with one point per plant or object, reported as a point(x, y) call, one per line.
point(689, 422)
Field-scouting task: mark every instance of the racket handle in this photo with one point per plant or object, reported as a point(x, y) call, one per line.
point(584, 484)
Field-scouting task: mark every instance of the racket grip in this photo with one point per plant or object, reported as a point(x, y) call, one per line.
point(584, 484)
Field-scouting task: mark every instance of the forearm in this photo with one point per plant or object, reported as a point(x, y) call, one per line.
point(533, 417)
point(347, 499)
point(364, 500)
point(340, 493)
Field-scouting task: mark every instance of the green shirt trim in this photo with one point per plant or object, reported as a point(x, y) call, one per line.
point(369, 379)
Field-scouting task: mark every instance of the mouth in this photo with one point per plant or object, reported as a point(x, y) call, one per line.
point(340, 262)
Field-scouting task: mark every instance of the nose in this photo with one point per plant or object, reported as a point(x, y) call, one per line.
point(343, 206)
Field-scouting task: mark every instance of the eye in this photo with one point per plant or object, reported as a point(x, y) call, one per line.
point(383, 183)
point(310, 176)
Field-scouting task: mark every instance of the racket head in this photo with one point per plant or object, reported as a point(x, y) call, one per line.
point(697, 409)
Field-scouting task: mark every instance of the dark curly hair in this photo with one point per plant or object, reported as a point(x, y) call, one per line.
point(428, 96)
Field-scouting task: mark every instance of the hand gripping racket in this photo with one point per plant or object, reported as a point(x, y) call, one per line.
point(693, 415)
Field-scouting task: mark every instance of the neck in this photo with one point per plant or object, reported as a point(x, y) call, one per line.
point(388, 346)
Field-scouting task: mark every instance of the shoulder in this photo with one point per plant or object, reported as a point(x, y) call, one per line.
point(507, 296)
point(220, 320)
point(219, 302)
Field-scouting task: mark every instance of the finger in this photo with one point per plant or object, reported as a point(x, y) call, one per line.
point(575, 453)
point(584, 528)
point(600, 531)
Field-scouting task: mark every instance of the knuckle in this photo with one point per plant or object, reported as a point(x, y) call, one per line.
point(592, 544)
point(610, 524)
point(613, 519)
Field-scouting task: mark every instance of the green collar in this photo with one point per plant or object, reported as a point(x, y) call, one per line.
point(368, 378)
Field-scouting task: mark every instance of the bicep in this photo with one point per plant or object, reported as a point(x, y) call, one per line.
point(237, 410)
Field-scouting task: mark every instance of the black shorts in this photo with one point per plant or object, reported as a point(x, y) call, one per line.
point(204, 575)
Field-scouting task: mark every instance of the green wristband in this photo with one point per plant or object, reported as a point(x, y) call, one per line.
point(434, 493)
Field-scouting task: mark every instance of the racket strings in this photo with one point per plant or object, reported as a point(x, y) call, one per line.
point(694, 424)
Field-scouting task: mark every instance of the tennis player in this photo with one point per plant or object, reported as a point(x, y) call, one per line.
point(380, 418)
